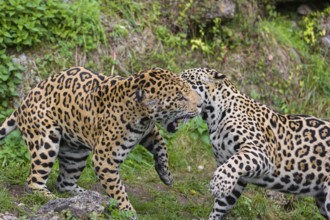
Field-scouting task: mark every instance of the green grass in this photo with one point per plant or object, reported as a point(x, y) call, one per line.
point(189, 196)
point(6, 201)
point(131, 36)
point(308, 83)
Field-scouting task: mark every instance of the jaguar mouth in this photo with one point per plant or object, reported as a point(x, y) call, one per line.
point(174, 125)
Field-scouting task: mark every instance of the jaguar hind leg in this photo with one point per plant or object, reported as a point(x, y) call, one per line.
point(43, 152)
point(323, 201)
point(72, 162)
point(326, 208)
point(320, 202)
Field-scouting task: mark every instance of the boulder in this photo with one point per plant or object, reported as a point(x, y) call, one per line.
point(326, 41)
point(80, 206)
point(7, 216)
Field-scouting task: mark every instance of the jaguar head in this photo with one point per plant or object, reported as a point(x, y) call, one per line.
point(167, 98)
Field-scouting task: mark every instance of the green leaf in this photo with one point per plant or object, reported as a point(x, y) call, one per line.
point(4, 77)
point(6, 34)
point(206, 140)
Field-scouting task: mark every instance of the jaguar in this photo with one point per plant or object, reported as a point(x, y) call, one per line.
point(78, 111)
point(254, 144)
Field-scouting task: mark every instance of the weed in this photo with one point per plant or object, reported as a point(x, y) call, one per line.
point(34, 200)
point(26, 23)
point(117, 214)
point(309, 79)
point(6, 201)
point(312, 28)
point(304, 210)
point(10, 77)
point(13, 150)
point(294, 80)
point(14, 174)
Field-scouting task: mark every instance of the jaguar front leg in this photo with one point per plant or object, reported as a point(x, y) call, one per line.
point(245, 163)
point(224, 204)
point(106, 164)
point(154, 143)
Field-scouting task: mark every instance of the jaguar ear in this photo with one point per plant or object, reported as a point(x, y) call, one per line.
point(143, 97)
point(156, 68)
point(139, 95)
point(215, 76)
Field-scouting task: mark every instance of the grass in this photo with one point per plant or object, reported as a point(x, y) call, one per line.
point(187, 198)
point(309, 75)
point(266, 58)
point(6, 201)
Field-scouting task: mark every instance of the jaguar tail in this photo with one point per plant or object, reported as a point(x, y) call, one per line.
point(8, 125)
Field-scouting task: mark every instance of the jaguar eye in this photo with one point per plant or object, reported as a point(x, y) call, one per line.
point(180, 96)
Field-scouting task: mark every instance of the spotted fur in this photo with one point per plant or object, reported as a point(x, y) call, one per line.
point(78, 111)
point(254, 144)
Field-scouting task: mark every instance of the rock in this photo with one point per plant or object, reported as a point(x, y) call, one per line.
point(7, 216)
point(295, 55)
point(80, 206)
point(201, 11)
point(326, 41)
point(325, 24)
point(21, 59)
point(209, 10)
point(223, 9)
point(304, 10)
point(30, 77)
point(325, 27)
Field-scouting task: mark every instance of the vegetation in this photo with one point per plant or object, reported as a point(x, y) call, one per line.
point(28, 23)
point(272, 56)
point(10, 78)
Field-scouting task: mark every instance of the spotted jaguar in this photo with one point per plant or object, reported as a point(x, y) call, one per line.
point(254, 144)
point(78, 111)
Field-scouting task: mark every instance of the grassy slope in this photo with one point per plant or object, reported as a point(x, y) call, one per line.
point(268, 60)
